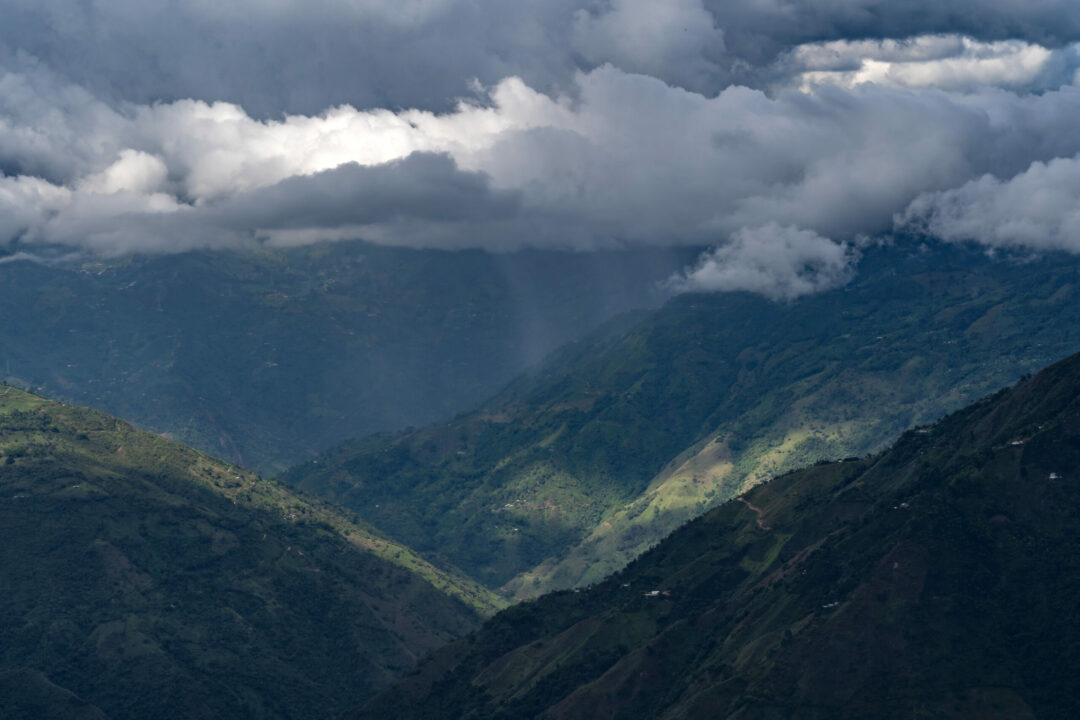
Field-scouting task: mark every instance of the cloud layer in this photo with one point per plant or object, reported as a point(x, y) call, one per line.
point(777, 132)
point(625, 159)
point(302, 56)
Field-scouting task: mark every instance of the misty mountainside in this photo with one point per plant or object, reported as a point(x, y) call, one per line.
point(937, 579)
point(143, 579)
point(577, 467)
point(268, 357)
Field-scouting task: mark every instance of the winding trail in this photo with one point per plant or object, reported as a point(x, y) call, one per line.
point(760, 523)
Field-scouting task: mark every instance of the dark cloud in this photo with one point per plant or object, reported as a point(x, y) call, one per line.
point(301, 57)
point(424, 198)
point(759, 31)
point(421, 188)
point(291, 56)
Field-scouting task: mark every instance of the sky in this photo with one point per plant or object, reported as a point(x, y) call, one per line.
point(782, 135)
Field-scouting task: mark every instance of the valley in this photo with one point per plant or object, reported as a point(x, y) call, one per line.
point(268, 357)
point(644, 482)
point(578, 466)
point(936, 578)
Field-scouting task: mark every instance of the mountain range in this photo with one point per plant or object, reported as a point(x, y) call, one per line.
point(149, 579)
point(267, 357)
point(580, 465)
point(936, 579)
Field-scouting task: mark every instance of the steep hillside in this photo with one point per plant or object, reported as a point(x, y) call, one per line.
point(938, 579)
point(311, 345)
point(143, 579)
point(575, 469)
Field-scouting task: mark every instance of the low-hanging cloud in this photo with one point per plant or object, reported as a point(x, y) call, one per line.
point(781, 263)
point(1038, 208)
point(423, 199)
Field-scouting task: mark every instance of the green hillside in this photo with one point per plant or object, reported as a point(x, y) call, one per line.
point(143, 579)
point(576, 468)
point(938, 579)
point(311, 345)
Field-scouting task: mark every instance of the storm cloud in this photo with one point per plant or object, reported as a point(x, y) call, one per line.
point(301, 57)
point(779, 133)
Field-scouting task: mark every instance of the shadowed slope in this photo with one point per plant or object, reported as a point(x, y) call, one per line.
point(150, 580)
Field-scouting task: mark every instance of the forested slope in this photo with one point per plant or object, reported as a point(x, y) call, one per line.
point(143, 579)
point(936, 579)
point(577, 467)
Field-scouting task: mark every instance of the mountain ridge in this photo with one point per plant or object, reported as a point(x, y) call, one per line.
point(578, 466)
point(146, 579)
point(312, 345)
point(934, 579)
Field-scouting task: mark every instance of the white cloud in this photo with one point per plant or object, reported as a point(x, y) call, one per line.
point(622, 128)
point(1038, 208)
point(781, 263)
point(947, 62)
point(26, 204)
point(623, 158)
point(134, 171)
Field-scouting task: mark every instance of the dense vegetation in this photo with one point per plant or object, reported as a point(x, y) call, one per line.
point(578, 467)
point(309, 345)
point(143, 579)
point(938, 579)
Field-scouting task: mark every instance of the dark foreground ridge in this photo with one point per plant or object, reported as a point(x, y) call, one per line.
point(143, 579)
point(939, 579)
